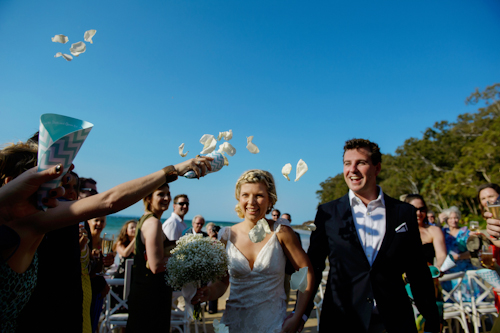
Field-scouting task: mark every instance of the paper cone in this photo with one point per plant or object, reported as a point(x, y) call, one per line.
point(217, 164)
point(59, 141)
point(448, 263)
point(489, 276)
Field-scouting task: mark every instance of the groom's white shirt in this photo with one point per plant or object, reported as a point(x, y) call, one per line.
point(173, 227)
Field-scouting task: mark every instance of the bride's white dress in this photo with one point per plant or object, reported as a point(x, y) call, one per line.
point(257, 300)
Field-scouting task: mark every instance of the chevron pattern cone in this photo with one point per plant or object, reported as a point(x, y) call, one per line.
point(216, 164)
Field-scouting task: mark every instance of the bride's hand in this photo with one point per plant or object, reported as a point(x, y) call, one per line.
point(292, 324)
point(202, 295)
point(199, 165)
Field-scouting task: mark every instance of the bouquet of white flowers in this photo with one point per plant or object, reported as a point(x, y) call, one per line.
point(195, 260)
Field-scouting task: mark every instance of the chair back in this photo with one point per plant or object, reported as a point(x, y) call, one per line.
point(128, 277)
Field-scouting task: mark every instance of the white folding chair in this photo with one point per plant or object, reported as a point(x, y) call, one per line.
point(111, 318)
point(180, 318)
point(483, 304)
point(453, 304)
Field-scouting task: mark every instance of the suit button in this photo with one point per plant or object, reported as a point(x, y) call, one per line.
point(369, 300)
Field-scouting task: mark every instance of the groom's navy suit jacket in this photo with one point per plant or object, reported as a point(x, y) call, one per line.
point(353, 284)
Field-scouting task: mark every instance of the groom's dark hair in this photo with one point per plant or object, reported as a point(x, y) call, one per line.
point(372, 147)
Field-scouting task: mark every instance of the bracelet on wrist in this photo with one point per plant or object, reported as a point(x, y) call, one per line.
point(170, 174)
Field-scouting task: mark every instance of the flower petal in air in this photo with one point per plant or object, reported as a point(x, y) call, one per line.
point(286, 170)
point(228, 135)
point(226, 147)
point(65, 56)
point(88, 35)
point(60, 39)
point(311, 226)
point(78, 48)
point(181, 149)
point(251, 146)
point(298, 279)
point(259, 231)
point(301, 169)
point(208, 141)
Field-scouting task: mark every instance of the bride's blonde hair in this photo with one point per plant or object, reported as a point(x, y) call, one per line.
point(252, 177)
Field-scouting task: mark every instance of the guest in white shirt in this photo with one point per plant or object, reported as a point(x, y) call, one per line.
point(175, 225)
point(197, 224)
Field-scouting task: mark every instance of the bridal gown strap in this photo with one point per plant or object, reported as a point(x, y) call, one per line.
point(257, 300)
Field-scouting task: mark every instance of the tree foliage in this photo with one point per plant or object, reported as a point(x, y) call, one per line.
point(447, 164)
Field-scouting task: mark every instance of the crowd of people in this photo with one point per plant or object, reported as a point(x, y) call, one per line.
point(369, 239)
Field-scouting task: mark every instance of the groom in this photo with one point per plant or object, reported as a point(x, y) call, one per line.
point(370, 240)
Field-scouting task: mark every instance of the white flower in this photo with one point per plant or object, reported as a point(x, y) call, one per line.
point(181, 148)
point(298, 279)
point(196, 258)
point(65, 56)
point(88, 36)
point(228, 135)
point(60, 39)
point(301, 169)
point(208, 141)
point(77, 48)
point(251, 146)
point(286, 170)
point(259, 231)
point(226, 147)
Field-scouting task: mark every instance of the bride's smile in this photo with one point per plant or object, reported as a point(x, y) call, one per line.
point(254, 201)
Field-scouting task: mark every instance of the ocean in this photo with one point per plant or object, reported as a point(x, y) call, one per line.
point(115, 222)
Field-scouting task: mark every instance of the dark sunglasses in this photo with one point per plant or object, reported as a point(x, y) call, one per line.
point(89, 190)
point(182, 203)
point(421, 209)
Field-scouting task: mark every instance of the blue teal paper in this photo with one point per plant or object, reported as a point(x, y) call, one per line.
point(59, 141)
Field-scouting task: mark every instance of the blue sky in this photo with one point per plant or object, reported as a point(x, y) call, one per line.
point(302, 78)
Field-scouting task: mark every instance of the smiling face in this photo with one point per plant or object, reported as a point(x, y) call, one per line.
point(97, 225)
point(160, 200)
point(198, 223)
point(487, 195)
point(421, 210)
point(131, 230)
point(360, 174)
point(181, 207)
point(254, 201)
point(71, 188)
point(453, 221)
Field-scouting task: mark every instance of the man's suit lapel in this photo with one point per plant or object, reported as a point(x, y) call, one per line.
point(391, 220)
point(347, 228)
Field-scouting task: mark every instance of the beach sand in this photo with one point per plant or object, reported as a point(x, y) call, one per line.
point(309, 327)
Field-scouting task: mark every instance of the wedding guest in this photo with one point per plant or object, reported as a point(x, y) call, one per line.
point(125, 246)
point(197, 224)
point(150, 298)
point(456, 245)
point(431, 217)
point(31, 228)
point(275, 214)
point(433, 244)
point(213, 232)
point(257, 269)
point(175, 225)
point(289, 269)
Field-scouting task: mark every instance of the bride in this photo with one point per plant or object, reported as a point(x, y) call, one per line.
point(257, 302)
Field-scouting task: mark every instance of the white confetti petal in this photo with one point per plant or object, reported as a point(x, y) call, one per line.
point(88, 36)
point(65, 56)
point(181, 148)
point(226, 147)
point(78, 48)
point(298, 280)
point(60, 39)
point(251, 146)
point(311, 226)
point(301, 169)
point(228, 135)
point(208, 141)
point(286, 170)
point(259, 231)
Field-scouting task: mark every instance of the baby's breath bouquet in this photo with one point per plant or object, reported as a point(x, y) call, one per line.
point(195, 260)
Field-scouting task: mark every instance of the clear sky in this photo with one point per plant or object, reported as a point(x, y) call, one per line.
point(301, 77)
